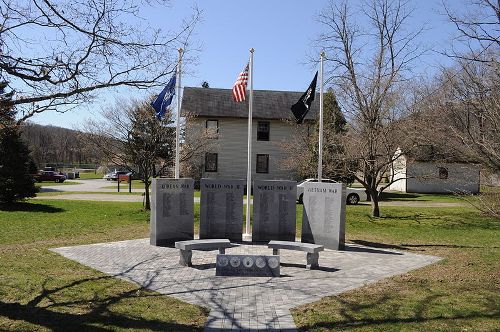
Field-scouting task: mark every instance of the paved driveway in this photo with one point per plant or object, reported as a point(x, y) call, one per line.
point(97, 186)
point(94, 185)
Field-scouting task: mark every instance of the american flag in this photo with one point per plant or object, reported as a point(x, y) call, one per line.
point(240, 87)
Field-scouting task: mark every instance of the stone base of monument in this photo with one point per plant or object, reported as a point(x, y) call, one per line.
point(247, 266)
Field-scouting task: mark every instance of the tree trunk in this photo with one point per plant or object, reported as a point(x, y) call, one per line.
point(147, 204)
point(375, 207)
point(368, 179)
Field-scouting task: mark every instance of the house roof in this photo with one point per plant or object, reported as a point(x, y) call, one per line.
point(434, 153)
point(267, 104)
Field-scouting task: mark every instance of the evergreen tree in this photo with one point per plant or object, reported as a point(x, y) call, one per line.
point(6, 111)
point(16, 165)
point(150, 143)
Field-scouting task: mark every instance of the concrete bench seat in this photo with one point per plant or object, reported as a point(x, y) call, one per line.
point(311, 249)
point(186, 248)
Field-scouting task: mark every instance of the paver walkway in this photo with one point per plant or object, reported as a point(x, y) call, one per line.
point(239, 303)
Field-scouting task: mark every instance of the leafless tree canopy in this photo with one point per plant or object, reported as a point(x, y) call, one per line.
point(58, 54)
point(459, 110)
point(133, 138)
point(368, 64)
point(478, 30)
point(469, 91)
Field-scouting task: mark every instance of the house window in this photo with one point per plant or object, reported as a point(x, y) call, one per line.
point(212, 128)
point(211, 162)
point(443, 173)
point(263, 131)
point(262, 163)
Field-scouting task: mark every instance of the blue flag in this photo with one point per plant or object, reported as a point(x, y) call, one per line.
point(164, 99)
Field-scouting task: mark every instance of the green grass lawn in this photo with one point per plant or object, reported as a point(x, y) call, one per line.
point(136, 184)
point(90, 175)
point(400, 196)
point(460, 293)
point(41, 290)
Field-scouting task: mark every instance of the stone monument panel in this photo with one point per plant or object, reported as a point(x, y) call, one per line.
point(172, 214)
point(274, 206)
point(323, 216)
point(247, 265)
point(221, 209)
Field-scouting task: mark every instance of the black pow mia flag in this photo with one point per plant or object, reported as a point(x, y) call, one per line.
point(301, 108)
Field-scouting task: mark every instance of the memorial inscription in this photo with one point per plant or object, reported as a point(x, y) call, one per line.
point(221, 209)
point(247, 266)
point(172, 214)
point(323, 217)
point(274, 216)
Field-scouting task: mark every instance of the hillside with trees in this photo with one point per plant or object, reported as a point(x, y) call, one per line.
point(56, 145)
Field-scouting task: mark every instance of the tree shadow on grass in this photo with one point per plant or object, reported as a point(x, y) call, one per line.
point(410, 246)
point(378, 313)
point(43, 311)
point(398, 196)
point(391, 196)
point(30, 207)
point(370, 250)
point(50, 190)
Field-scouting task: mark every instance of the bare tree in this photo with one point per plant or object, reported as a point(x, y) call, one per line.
point(133, 138)
point(460, 109)
point(478, 31)
point(59, 54)
point(470, 90)
point(368, 68)
point(302, 152)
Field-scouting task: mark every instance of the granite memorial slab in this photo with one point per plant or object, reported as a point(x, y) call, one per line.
point(172, 213)
point(247, 266)
point(221, 209)
point(274, 210)
point(323, 217)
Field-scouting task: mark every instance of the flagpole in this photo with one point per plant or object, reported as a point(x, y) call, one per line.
point(177, 130)
point(249, 152)
point(320, 143)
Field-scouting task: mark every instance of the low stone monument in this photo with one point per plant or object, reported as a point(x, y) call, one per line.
point(172, 214)
point(323, 217)
point(274, 210)
point(247, 266)
point(221, 209)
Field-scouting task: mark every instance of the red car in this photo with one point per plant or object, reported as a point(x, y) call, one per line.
point(49, 176)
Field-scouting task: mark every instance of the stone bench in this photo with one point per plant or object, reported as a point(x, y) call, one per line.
point(311, 249)
point(186, 248)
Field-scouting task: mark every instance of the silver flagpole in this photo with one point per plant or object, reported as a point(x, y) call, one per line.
point(320, 147)
point(177, 130)
point(249, 152)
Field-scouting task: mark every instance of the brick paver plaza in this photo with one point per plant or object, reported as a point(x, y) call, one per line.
point(245, 303)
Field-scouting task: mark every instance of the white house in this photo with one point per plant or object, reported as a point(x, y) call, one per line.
point(214, 111)
point(422, 171)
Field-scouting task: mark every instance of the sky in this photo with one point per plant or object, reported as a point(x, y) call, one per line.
point(282, 34)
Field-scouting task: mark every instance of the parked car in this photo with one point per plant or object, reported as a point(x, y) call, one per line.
point(354, 195)
point(114, 175)
point(49, 176)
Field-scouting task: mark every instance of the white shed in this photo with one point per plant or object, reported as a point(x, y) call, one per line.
point(424, 172)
